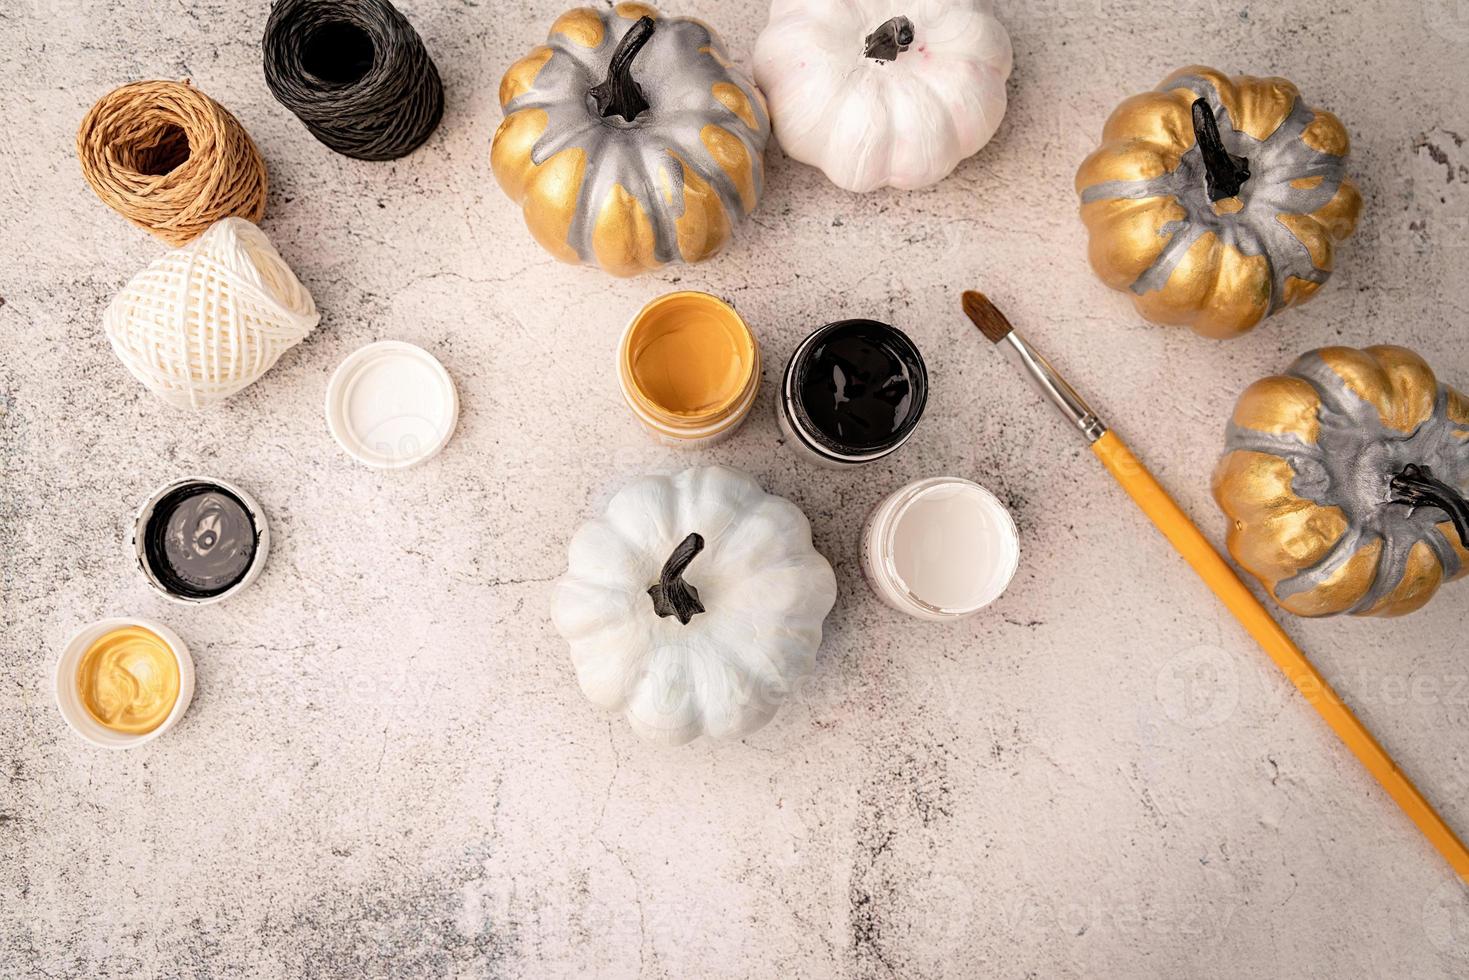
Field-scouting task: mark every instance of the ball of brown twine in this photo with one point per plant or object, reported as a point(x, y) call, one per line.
point(356, 73)
point(170, 159)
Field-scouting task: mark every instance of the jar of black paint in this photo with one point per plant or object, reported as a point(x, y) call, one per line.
point(852, 393)
point(200, 540)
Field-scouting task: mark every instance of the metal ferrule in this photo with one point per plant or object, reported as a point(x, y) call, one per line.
point(1052, 386)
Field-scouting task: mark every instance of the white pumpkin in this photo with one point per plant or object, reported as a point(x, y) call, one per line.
point(714, 653)
point(883, 93)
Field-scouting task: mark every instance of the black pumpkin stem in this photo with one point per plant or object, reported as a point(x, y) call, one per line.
point(618, 94)
point(1417, 487)
point(1224, 173)
point(672, 596)
point(891, 39)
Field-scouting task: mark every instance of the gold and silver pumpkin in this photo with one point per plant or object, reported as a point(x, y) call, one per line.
point(630, 140)
point(1345, 480)
point(1217, 201)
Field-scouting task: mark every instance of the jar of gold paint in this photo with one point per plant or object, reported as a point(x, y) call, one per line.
point(123, 682)
point(689, 368)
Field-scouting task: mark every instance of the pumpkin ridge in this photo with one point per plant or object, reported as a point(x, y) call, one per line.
point(1448, 556)
point(696, 157)
point(1282, 444)
point(938, 107)
point(1353, 540)
point(665, 170)
point(1183, 235)
point(1392, 566)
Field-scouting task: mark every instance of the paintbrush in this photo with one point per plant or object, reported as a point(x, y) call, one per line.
point(1190, 542)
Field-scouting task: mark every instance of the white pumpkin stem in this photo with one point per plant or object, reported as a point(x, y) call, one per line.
point(1417, 487)
point(891, 39)
point(1224, 173)
point(618, 94)
point(672, 596)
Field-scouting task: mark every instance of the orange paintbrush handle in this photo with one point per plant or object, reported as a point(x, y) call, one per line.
point(1169, 518)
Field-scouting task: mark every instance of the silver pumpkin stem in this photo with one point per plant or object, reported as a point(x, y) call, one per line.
point(891, 39)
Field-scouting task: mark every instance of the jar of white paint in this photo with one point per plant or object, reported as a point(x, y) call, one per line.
point(940, 549)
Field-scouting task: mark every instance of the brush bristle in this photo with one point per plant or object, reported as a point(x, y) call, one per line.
point(986, 316)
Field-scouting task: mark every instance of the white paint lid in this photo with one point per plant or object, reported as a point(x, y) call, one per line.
point(391, 405)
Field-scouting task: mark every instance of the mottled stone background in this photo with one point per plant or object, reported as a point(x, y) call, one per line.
point(388, 769)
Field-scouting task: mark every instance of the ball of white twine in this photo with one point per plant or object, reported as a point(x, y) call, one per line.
point(208, 319)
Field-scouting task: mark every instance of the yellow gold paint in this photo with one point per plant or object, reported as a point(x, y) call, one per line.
point(1421, 579)
point(1447, 529)
point(1262, 104)
point(128, 680)
point(1326, 134)
point(1131, 160)
point(1273, 532)
point(1238, 298)
point(1298, 290)
point(1187, 289)
point(1229, 205)
point(581, 26)
point(703, 228)
point(1412, 385)
point(543, 191)
point(548, 190)
point(728, 150)
point(1223, 84)
point(1280, 405)
point(712, 52)
point(1160, 118)
point(732, 97)
point(689, 359)
point(1394, 380)
point(510, 150)
point(1307, 183)
point(522, 75)
point(622, 237)
point(1256, 106)
point(1344, 589)
point(1339, 215)
point(1310, 233)
point(1125, 236)
point(1458, 411)
point(632, 11)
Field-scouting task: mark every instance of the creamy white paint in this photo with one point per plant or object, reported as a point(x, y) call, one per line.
point(940, 548)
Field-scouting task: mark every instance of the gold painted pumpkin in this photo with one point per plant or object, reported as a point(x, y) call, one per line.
point(630, 140)
point(1345, 479)
point(1217, 201)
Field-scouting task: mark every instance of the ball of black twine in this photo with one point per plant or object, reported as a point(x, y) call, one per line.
point(355, 72)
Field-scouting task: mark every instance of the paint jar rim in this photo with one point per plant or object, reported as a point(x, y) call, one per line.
point(68, 698)
point(800, 421)
point(729, 411)
point(880, 557)
point(252, 508)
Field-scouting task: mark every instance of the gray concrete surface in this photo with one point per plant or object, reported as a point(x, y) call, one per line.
point(388, 769)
